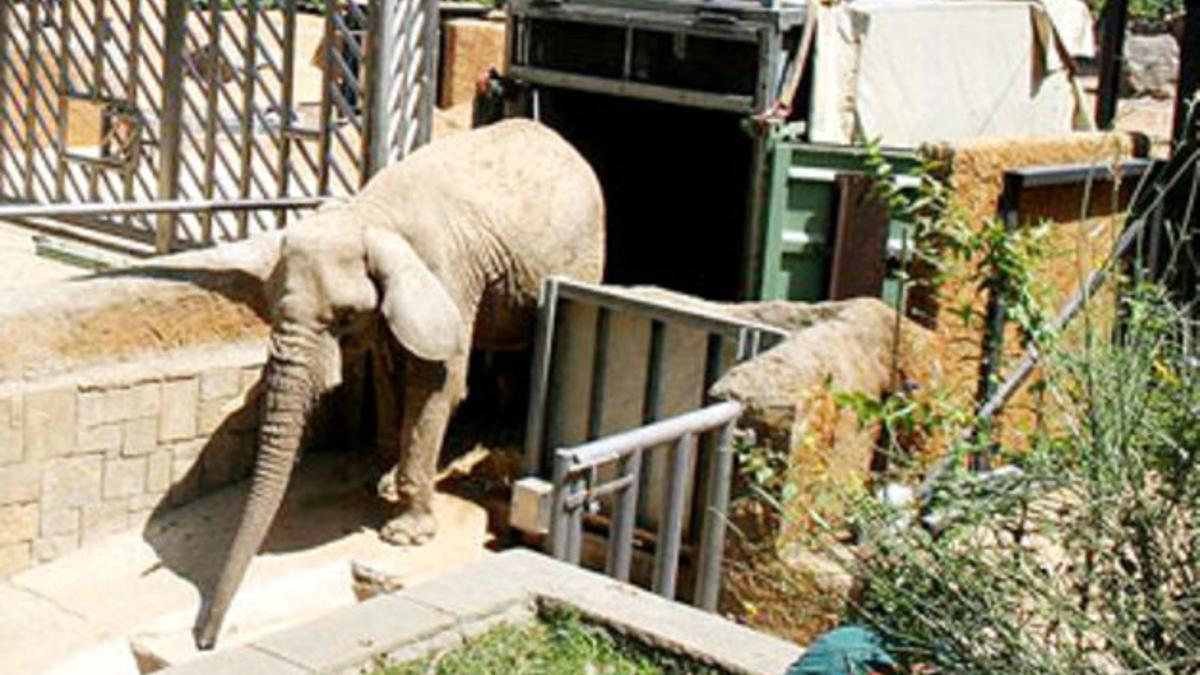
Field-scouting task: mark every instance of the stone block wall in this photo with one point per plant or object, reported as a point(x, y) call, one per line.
point(95, 452)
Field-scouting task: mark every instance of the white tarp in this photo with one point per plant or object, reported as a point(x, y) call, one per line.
point(910, 72)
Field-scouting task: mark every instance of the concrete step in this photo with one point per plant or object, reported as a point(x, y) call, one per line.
point(126, 605)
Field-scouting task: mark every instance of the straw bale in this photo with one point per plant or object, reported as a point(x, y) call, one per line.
point(473, 47)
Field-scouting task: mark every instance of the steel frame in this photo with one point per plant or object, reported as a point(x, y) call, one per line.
point(198, 104)
point(577, 485)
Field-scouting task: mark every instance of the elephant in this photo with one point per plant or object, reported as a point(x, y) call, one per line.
point(438, 253)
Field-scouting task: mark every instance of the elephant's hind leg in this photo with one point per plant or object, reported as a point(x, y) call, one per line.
point(431, 392)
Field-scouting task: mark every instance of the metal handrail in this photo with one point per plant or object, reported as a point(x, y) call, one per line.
point(576, 486)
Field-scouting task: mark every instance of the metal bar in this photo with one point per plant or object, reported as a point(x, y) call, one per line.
point(170, 134)
point(1112, 50)
point(31, 76)
point(6, 75)
point(431, 49)
point(249, 60)
point(575, 524)
point(213, 101)
point(652, 394)
point(557, 542)
point(599, 374)
point(1072, 174)
point(376, 111)
point(603, 490)
point(1187, 121)
point(996, 313)
point(670, 533)
point(539, 380)
point(712, 538)
point(64, 102)
point(649, 92)
point(714, 367)
point(326, 123)
point(37, 210)
point(624, 517)
point(616, 300)
point(129, 182)
point(613, 447)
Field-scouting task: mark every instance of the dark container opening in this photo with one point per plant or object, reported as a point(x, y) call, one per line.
point(675, 181)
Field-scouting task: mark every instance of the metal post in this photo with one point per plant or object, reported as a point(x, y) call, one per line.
point(171, 130)
point(381, 48)
point(712, 538)
point(599, 374)
point(558, 541)
point(1189, 75)
point(431, 47)
point(996, 314)
point(624, 517)
point(539, 380)
point(670, 533)
point(1112, 56)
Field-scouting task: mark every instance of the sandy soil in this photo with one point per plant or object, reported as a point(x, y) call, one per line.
point(19, 263)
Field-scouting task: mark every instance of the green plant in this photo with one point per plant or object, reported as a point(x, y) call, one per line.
point(560, 642)
point(1083, 554)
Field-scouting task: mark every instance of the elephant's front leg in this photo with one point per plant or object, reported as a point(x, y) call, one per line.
point(431, 392)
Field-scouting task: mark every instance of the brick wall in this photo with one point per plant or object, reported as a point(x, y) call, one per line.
point(98, 451)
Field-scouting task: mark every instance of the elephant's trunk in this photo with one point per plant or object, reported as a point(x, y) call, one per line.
point(291, 389)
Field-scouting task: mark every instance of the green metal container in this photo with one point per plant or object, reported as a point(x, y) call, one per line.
point(799, 217)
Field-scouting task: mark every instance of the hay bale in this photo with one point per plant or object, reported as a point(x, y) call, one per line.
point(1075, 246)
point(473, 47)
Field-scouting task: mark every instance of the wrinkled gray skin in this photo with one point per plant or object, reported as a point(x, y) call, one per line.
point(446, 249)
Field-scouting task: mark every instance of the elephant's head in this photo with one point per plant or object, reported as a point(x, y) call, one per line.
point(335, 272)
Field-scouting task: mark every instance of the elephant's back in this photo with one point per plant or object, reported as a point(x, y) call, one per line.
point(515, 181)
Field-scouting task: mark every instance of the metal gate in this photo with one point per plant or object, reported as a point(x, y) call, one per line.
point(157, 100)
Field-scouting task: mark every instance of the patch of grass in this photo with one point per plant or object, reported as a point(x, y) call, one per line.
point(559, 643)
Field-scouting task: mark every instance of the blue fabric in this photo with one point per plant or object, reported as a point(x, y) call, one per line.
point(849, 650)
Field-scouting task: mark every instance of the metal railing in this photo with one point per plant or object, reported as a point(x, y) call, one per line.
point(578, 485)
point(749, 337)
point(198, 102)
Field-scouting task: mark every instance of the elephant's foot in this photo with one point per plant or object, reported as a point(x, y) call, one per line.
point(411, 528)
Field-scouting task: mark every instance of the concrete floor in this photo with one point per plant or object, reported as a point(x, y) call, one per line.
point(19, 263)
point(126, 604)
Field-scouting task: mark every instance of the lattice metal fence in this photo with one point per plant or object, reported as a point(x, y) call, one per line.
point(133, 100)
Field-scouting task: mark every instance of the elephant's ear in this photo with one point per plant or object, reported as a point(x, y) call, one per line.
point(415, 304)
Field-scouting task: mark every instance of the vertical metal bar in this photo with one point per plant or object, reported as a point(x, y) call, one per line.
point(574, 550)
point(289, 105)
point(380, 45)
point(170, 128)
point(1112, 55)
point(652, 395)
point(996, 315)
point(1189, 76)
point(431, 48)
point(599, 374)
point(31, 75)
point(714, 367)
point(559, 527)
point(64, 100)
point(652, 399)
point(624, 517)
point(249, 65)
point(99, 32)
point(327, 122)
point(213, 111)
point(712, 538)
point(6, 73)
point(670, 533)
point(539, 380)
point(135, 36)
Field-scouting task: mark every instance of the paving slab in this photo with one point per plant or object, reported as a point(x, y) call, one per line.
point(142, 589)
